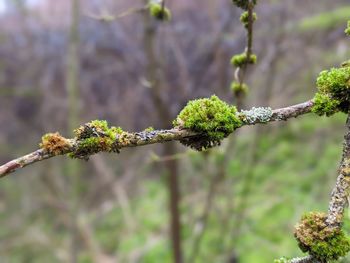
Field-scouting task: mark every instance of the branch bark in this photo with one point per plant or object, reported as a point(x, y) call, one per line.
point(152, 137)
point(340, 193)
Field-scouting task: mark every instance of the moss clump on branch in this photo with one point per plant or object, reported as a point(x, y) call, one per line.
point(158, 12)
point(242, 59)
point(55, 144)
point(323, 242)
point(94, 137)
point(212, 119)
point(333, 91)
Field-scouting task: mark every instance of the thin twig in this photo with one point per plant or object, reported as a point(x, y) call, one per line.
point(109, 18)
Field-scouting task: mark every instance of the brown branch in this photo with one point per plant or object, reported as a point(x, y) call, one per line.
point(152, 137)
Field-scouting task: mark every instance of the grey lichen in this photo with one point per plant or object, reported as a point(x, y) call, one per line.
point(256, 115)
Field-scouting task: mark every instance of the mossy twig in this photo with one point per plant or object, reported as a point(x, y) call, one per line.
point(135, 139)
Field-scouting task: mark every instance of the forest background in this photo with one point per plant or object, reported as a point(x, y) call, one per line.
point(63, 64)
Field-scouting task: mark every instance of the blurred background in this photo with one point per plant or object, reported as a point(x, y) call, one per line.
point(63, 63)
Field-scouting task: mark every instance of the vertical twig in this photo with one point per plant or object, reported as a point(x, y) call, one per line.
point(72, 84)
point(169, 149)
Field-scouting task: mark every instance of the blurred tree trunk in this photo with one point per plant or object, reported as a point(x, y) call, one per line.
point(72, 85)
point(72, 74)
point(164, 114)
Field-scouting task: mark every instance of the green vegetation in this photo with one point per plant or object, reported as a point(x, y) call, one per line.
point(94, 137)
point(347, 30)
point(327, 20)
point(149, 129)
point(212, 118)
point(245, 18)
point(238, 88)
point(333, 91)
point(242, 59)
point(319, 240)
point(157, 11)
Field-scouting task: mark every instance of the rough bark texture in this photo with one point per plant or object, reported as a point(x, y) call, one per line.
point(340, 193)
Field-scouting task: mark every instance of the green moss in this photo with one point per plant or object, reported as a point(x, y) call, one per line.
point(212, 118)
point(245, 18)
point(95, 136)
point(157, 11)
point(333, 91)
point(347, 30)
point(241, 59)
point(319, 240)
point(243, 3)
point(324, 105)
point(55, 144)
point(238, 88)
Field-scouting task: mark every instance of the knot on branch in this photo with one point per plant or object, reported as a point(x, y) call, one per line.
point(323, 242)
point(212, 119)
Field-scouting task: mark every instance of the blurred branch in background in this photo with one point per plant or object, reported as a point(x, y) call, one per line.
point(222, 165)
point(73, 109)
point(153, 76)
point(105, 17)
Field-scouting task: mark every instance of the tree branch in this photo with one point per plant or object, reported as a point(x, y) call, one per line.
point(340, 193)
point(160, 136)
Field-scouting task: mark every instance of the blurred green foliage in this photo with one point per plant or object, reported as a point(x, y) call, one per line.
point(294, 173)
point(325, 21)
